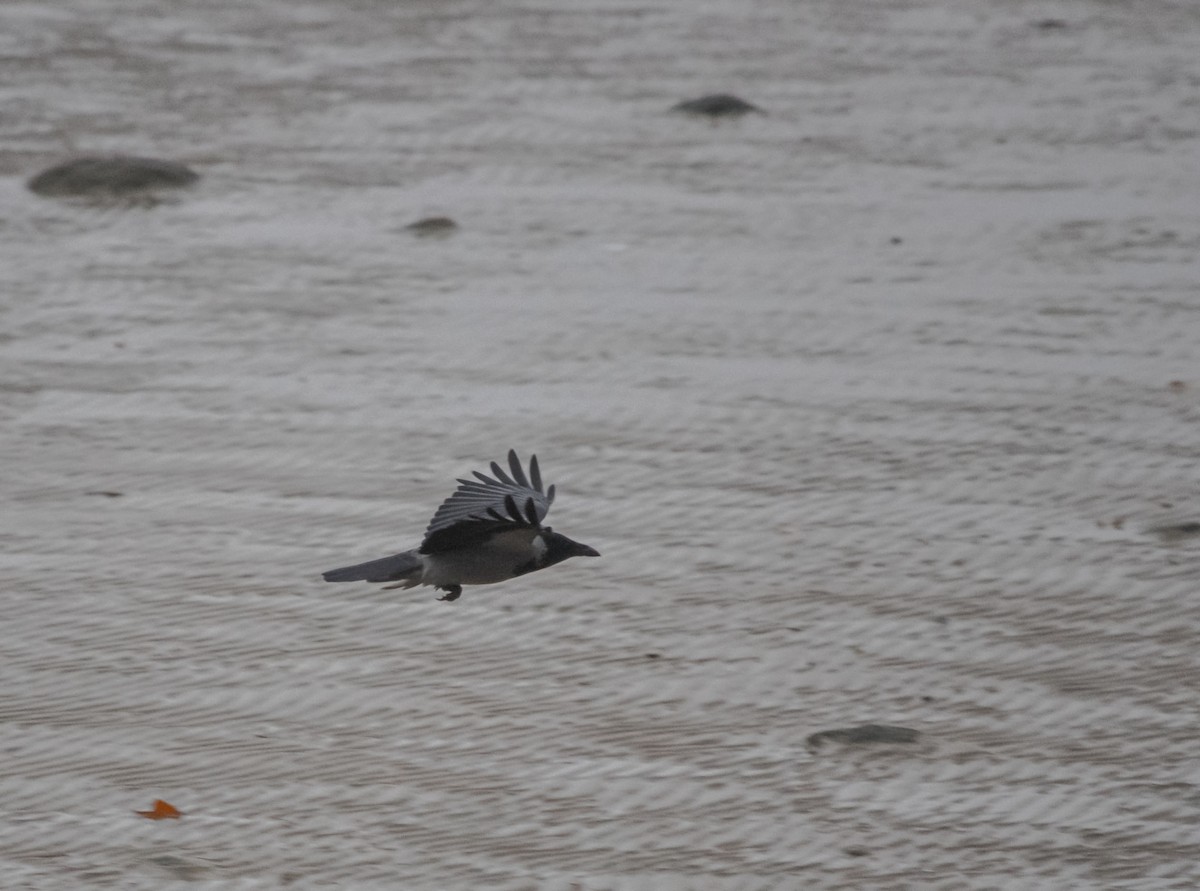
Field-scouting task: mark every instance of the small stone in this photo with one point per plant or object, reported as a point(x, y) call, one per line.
point(1176, 531)
point(115, 175)
point(433, 226)
point(718, 105)
point(864, 734)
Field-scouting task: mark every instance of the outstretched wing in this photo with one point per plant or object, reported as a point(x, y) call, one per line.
point(482, 507)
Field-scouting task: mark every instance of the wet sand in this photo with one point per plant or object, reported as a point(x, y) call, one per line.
point(873, 404)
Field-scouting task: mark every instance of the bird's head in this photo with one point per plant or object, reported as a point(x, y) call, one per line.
point(560, 548)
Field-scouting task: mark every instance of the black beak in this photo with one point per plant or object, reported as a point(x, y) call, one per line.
point(582, 550)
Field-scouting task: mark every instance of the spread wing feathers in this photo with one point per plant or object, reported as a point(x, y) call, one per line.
point(481, 507)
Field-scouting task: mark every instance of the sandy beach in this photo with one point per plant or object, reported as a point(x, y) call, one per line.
point(881, 406)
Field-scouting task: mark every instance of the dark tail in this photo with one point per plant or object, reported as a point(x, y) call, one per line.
point(387, 569)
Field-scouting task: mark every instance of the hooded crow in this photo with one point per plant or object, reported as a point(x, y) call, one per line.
point(490, 530)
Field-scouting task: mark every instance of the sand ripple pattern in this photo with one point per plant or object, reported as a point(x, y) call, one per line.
point(873, 404)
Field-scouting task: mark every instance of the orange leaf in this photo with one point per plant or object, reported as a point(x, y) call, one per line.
point(162, 811)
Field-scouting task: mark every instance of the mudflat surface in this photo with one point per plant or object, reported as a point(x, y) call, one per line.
point(881, 407)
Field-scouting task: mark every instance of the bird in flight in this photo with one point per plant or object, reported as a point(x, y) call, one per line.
point(490, 530)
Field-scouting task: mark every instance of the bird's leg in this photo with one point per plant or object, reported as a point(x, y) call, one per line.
point(453, 592)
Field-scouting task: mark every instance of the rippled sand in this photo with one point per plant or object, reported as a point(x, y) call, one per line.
point(876, 405)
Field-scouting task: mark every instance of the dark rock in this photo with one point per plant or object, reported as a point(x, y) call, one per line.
point(115, 175)
point(718, 105)
point(1176, 531)
point(865, 734)
point(433, 226)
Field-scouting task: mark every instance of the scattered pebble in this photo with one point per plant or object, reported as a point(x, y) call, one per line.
point(1176, 531)
point(865, 734)
point(718, 105)
point(116, 175)
point(433, 226)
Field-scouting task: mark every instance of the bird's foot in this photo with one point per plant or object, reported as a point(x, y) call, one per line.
point(453, 592)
